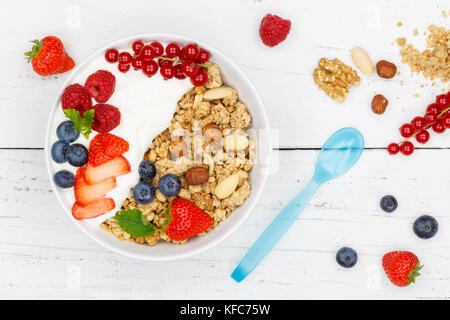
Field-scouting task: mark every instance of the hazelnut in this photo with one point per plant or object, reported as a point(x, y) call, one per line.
point(379, 104)
point(196, 176)
point(212, 133)
point(386, 69)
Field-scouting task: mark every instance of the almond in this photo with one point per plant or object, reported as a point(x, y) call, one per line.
point(379, 104)
point(362, 60)
point(235, 142)
point(212, 132)
point(196, 176)
point(227, 186)
point(386, 69)
point(217, 93)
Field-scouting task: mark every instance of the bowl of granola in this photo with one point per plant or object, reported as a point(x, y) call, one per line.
point(169, 163)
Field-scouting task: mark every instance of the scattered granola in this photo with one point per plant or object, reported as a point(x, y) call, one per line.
point(222, 112)
point(433, 62)
point(334, 77)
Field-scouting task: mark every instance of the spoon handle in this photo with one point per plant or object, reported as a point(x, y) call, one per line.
point(273, 233)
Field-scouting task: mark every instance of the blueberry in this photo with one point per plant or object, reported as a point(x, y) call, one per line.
point(169, 185)
point(425, 227)
point(144, 192)
point(346, 257)
point(59, 151)
point(77, 155)
point(389, 203)
point(147, 169)
point(64, 179)
point(66, 132)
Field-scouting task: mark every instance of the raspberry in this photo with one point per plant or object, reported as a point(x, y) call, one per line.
point(76, 97)
point(107, 117)
point(274, 30)
point(106, 146)
point(100, 85)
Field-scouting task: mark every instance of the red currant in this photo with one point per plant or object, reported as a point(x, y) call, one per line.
point(112, 55)
point(173, 50)
point(203, 56)
point(124, 67)
point(138, 63)
point(162, 62)
point(393, 148)
point(179, 71)
point(406, 130)
point(167, 71)
point(137, 46)
point(190, 68)
point(200, 78)
point(157, 48)
point(147, 53)
point(191, 51)
point(438, 127)
point(407, 148)
point(431, 117)
point(150, 68)
point(423, 136)
point(433, 108)
point(445, 121)
point(125, 58)
point(418, 123)
point(443, 101)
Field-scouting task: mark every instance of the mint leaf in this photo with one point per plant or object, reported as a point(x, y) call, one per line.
point(135, 223)
point(81, 124)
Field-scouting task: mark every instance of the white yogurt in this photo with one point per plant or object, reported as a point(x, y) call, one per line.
point(147, 106)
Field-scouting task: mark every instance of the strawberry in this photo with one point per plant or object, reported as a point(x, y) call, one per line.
point(106, 146)
point(49, 57)
point(112, 168)
point(401, 267)
point(93, 209)
point(107, 117)
point(274, 30)
point(100, 85)
point(85, 193)
point(186, 220)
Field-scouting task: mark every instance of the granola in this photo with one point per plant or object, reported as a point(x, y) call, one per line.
point(183, 146)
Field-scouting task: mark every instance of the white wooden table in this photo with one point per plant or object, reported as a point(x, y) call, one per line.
point(43, 255)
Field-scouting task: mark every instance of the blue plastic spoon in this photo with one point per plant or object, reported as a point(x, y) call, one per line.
point(341, 151)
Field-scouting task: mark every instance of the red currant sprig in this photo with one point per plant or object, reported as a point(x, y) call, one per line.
point(436, 117)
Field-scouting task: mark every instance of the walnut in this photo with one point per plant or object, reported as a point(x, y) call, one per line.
point(335, 78)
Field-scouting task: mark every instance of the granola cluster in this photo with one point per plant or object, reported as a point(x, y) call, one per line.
point(434, 62)
point(172, 155)
point(334, 77)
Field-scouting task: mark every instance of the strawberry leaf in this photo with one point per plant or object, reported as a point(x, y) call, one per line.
point(134, 222)
point(83, 124)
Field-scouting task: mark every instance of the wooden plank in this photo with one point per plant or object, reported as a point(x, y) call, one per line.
point(43, 255)
point(303, 115)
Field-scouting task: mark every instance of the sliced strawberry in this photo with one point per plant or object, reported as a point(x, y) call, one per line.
point(93, 209)
point(112, 168)
point(85, 193)
point(106, 146)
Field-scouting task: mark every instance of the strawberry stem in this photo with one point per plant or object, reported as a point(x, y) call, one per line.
point(34, 50)
point(414, 273)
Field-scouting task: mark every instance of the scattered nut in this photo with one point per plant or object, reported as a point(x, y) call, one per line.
point(217, 93)
point(235, 142)
point(362, 60)
point(212, 132)
point(335, 78)
point(196, 176)
point(177, 148)
point(386, 69)
point(379, 104)
point(227, 186)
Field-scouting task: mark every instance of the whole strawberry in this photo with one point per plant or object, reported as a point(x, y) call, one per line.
point(401, 267)
point(274, 30)
point(186, 220)
point(49, 57)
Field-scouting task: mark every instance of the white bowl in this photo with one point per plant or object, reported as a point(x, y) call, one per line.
point(231, 75)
